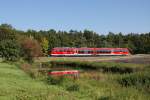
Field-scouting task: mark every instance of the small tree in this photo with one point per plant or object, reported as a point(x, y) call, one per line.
point(9, 50)
point(45, 46)
point(30, 49)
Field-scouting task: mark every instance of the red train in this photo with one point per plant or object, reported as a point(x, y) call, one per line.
point(68, 51)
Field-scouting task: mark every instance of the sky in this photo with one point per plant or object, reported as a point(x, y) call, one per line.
point(101, 16)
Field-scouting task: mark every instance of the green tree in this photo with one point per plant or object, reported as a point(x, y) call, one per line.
point(6, 32)
point(45, 46)
point(9, 50)
point(89, 35)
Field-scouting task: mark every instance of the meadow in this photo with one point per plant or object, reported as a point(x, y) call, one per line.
point(96, 81)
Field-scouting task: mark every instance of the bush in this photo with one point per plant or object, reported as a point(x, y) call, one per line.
point(9, 50)
point(55, 80)
point(141, 78)
point(74, 87)
point(45, 45)
point(30, 49)
point(104, 98)
point(33, 73)
point(46, 65)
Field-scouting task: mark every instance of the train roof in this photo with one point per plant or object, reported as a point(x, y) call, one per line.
point(64, 48)
point(111, 48)
point(84, 48)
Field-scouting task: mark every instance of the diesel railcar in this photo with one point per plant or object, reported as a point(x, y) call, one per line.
point(68, 51)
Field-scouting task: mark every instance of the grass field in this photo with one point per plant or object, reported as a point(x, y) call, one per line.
point(17, 85)
point(17, 82)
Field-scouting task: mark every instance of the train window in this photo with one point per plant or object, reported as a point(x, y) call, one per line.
point(103, 51)
point(61, 50)
point(98, 51)
point(81, 51)
point(85, 51)
point(90, 51)
point(120, 50)
point(54, 50)
point(69, 51)
point(124, 50)
point(65, 50)
point(117, 50)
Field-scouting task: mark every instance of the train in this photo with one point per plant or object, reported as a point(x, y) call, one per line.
point(85, 51)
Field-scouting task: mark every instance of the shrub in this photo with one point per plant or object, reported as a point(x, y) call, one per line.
point(30, 70)
point(45, 45)
point(30, 49)
point(74, 87)
point(104, 98)
point(141, 78)
point(46, 65)
point(55, 80)
point(9, 50)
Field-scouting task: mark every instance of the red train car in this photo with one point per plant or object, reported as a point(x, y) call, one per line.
point(67, 51)
point(85, 51)
point(63, 51)
point(112, 51)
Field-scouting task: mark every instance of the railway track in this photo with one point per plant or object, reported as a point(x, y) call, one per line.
point(139, 58)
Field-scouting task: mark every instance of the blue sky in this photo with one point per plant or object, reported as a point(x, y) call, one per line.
point(100, 16)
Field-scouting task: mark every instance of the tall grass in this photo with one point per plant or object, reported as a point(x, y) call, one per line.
point(140, 80)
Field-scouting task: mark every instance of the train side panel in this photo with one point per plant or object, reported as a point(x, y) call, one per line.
point(89, 51)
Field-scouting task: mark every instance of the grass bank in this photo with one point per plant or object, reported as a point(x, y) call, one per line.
point(18, 83)
point(15, 84)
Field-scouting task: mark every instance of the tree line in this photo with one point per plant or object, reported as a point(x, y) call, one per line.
point(31, 43)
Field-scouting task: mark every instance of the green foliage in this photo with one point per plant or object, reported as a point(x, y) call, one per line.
point(7, 32)
point(9, 47)
point(46, 65)
point(45, 46)
point(140, 80)
point(104, 98)
point(9, 50)
point(55, 80)
point(137, 43)
point(73, 87)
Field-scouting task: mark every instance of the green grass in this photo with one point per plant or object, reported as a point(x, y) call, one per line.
point(15, 84)
point(140, 80)
point(1, 59)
